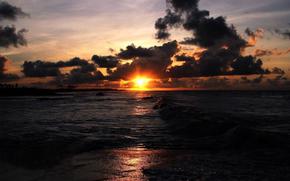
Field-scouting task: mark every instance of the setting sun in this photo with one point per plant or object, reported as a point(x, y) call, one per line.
point(141, 82)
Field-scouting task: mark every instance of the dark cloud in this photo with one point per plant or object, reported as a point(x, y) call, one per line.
point(254, 35)
point(10, 12)
point(82, 78)
point(221, 43)
point(284, 33)
point(256, 81)
point(168, 21)
point(273, 52)
point(249, 32)
point(247, 66)
point(277, 70)
point(132, 52)
point(212, 83)
point(216, 62)
point(278, 82)
point(3, 75)
point(281, 78)
point(259, 33)
point(213, 32)
point(188, 69)
point(206, 31)
point(184, 58)
point(183, 5)
point(9, 77)
point(10, 37)
point(41, 68)
point(261, 52)
point(3, 60)
point(86, 68)
point(106, 61)
point(84, 74)
point(245, 80)
point(162, 34)
point(155, 65)
point(72, 62)
point(214, 65)
point(111, 50)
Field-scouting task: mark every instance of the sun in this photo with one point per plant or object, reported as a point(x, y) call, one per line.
point(141, 83)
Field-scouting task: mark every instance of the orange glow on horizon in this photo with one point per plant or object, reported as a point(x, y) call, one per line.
point(141, 83)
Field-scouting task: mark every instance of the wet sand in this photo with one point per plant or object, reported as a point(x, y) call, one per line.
point(145, 164)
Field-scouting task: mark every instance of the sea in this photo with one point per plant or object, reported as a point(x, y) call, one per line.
point(143, 135)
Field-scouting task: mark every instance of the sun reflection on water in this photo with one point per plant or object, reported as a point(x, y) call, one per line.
point(132, 162)
point(142, 107)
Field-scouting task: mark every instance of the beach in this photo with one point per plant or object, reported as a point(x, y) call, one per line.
point(120, 135)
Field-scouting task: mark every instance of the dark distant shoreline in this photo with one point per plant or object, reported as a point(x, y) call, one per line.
point(43, 92)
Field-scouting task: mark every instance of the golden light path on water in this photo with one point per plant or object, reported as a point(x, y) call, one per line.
point(132, 161)
point(123, 164)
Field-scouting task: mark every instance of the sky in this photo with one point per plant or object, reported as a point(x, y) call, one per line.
point(64, 29)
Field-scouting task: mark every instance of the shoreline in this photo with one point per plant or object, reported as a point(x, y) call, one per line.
point(8, 92)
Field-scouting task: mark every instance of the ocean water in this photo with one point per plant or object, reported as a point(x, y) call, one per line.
point(145, 136)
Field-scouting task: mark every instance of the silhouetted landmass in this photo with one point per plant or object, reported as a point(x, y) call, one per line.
point(26, 92)
point(85, 90)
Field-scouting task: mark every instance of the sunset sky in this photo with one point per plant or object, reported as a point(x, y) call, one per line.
point(64, 29)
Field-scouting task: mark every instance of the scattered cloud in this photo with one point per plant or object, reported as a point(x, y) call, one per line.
point(155, 65)
point(273, 52)
point(283, 33)
point(9, 36)
point(106, 61)
point(254, 35)
point(10, 12)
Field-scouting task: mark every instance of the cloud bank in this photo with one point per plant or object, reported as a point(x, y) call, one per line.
point(223, 46)
point(82, 71)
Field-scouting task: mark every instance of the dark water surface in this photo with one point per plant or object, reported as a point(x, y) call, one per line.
point(119, 136)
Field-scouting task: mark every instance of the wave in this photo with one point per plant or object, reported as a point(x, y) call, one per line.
point(220, 131)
